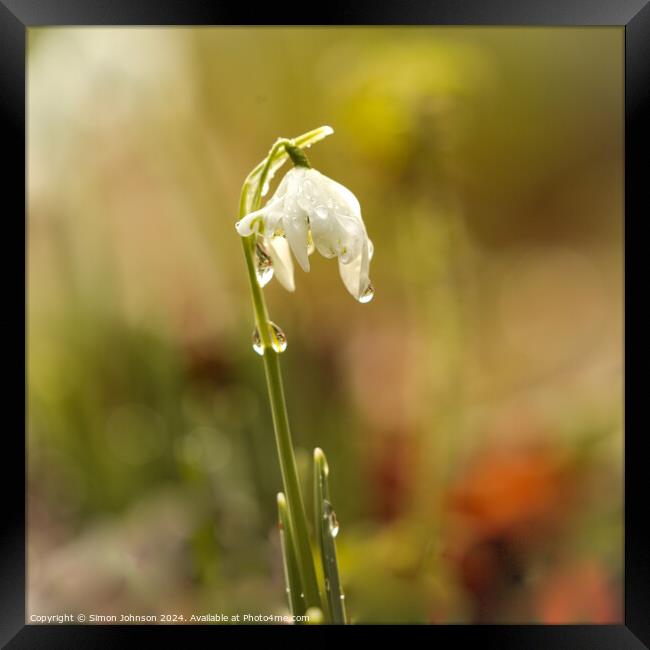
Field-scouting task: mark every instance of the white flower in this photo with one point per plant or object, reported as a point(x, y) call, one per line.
point(307, 211)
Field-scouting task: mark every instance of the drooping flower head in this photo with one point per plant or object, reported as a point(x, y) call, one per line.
point(308, 212)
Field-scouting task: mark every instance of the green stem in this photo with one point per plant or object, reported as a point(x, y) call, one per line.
point(283, 441)
point(280, 144)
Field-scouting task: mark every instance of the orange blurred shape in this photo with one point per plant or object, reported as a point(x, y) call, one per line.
point(579, 594)
point(508, 488)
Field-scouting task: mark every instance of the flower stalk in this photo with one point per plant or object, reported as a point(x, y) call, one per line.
point(297, 519)
point(308, 212)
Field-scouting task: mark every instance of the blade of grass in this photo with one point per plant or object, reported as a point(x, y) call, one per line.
point(295, 592)
point(327, 527)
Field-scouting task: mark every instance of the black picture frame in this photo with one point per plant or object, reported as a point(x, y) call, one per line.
point(17, 15)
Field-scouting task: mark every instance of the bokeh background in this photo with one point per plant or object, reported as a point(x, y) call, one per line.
point(471, 413)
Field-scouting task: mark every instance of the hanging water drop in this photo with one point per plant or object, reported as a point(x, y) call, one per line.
point(263, 265)
point(258, 344)
point(278, 338)
point(367, 294)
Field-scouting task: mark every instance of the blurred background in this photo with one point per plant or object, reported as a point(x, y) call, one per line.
point(471, 413)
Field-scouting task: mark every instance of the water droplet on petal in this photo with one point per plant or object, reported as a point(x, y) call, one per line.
point(278, 338)
point(263, 265)
point(258, 345)
point(367, 294)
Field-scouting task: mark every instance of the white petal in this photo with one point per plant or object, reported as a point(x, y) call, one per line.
point(355, 273)
point(251, 223)
point(341, 195)
point(273, 211)
point(352, 236)
point(335, 216)
point(278, 248)
point(296, 228)
point(308, 203)
point(287, 184)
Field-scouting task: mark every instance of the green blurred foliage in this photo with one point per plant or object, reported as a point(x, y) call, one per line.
point(471, 414)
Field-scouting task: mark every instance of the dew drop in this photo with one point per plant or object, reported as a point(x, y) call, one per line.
point(367, 294)
point(276, 335)
point(332, 521)
point(278, 338)
point(263, 265)
point(258, 345)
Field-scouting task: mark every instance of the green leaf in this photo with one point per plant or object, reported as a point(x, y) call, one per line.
point(295, 592)
point(327, 528)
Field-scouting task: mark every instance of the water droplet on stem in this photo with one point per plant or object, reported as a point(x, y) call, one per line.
point(258, 345)
point(276, 335)
point(278, 338)
point(330, 516)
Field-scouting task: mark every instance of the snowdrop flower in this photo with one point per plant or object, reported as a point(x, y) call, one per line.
point(308, 212)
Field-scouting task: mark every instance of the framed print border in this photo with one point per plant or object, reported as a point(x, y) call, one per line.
point(16, 16)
